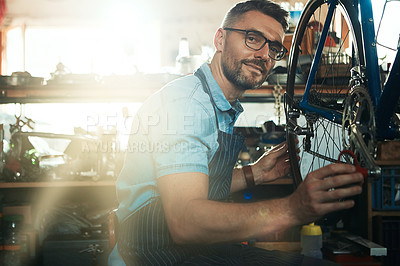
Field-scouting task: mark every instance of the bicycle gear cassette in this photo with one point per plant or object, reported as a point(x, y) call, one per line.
point(358, 125)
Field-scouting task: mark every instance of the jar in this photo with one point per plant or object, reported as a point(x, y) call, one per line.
point(12, 255)
point(11, 240)
point(1, 235)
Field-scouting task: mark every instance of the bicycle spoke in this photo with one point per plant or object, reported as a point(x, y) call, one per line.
point(321, 140)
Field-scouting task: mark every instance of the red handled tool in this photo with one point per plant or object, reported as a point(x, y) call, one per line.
point(362, 170)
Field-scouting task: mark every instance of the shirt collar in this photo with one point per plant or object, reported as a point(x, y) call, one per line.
point(216, 93)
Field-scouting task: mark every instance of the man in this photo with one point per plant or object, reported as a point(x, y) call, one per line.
point(179, 167)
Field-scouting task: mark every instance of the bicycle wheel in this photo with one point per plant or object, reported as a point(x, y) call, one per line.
point(320, 138)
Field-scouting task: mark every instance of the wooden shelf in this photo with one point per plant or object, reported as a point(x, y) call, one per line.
point(105, 93)
point(74, 93)
point(385, 213)
point(283, 246)
point(267, 91)
point(54, 184)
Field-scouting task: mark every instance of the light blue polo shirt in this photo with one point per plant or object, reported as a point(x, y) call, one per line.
point(173, 132)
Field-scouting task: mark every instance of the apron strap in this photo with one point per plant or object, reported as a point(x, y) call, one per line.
point(202, 77)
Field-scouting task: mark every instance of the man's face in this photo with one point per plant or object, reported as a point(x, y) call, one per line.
point(242, 66)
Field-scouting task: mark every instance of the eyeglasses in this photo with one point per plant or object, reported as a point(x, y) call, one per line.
point(256, 41)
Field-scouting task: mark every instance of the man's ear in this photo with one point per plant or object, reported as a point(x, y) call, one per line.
point(219, 39)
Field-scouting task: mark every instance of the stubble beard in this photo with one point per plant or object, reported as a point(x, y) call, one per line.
point(234, 73)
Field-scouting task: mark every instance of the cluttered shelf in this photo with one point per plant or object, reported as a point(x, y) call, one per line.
point(104, 183)
point(103, 92)
point(74, 93)
point(23, 88)
point(268, 90)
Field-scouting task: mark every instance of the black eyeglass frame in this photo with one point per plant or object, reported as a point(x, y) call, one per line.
point(279, 54)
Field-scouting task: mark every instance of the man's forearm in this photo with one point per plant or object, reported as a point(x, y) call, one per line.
point(208, 221)
point(193, 219)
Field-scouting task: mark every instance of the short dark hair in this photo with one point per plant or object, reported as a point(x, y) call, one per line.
point(266, 7)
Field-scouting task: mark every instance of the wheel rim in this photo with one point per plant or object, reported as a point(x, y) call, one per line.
point(324, 139)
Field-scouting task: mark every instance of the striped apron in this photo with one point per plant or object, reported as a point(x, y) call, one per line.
point(144, 238)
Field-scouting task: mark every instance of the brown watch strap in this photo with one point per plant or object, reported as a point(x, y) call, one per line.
point(248, 176)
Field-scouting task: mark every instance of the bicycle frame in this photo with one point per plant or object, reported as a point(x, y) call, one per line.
point(384, 100)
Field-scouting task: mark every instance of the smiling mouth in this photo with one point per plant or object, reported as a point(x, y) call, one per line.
point(255, 68)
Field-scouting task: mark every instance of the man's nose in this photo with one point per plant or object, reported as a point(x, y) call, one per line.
point(263, 53)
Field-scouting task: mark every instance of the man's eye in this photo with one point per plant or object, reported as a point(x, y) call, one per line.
point(275, 48)
point(253, 38)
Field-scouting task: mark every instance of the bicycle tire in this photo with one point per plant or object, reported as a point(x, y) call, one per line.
point(328, 88)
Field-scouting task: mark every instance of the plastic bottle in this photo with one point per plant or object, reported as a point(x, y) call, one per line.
point(311, 241)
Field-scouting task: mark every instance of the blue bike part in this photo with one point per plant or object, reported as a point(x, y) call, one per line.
point(371, 54)
point(388, 102)
point(328, 114)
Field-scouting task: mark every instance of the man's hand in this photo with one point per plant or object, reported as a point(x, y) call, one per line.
point(272, 164)
point(325, 190)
